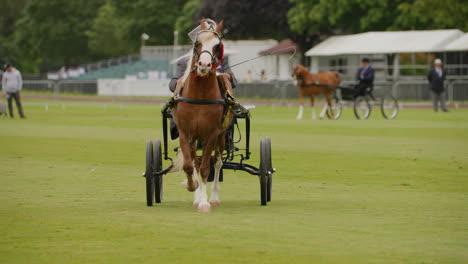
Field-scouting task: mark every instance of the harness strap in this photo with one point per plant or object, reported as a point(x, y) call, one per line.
point(199, 101)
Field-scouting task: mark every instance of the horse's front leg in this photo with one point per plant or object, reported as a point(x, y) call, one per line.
point(301, 104)
point(203, 205)
point(214, 198)
point(196, 164)
point(185, 148)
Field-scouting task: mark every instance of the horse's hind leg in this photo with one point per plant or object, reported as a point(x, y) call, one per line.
point(312, 98)
point(327, 105)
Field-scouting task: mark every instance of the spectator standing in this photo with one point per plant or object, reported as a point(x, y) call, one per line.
point(11, 85)
point(436, 79)
point(263, 76)
point(248, 77)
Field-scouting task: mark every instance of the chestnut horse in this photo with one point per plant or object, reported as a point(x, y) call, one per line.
point(200, 116)
point(314, 84)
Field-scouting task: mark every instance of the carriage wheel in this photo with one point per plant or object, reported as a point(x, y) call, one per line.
point(265, 171)
point(157, 167)
point(149, 174)
point(389, 107)
point(337, 108)
point(362, 107)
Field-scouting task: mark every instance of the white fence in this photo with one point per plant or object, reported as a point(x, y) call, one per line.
point(123, 87)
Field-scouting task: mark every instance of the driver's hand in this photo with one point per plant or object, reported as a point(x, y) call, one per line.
point(228, 76)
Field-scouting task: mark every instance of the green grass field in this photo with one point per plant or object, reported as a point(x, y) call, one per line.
point(345, 191)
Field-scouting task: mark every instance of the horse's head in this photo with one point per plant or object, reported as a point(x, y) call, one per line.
point(298, 71)
point(208, 49)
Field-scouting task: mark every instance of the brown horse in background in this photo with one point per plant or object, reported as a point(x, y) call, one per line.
point(314, 84)
point(200, 117)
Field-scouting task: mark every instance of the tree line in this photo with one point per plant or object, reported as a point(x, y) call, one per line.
point(42, 35)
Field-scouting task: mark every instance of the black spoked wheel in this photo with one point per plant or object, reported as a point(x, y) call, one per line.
point(362, 107)
point(337, 108)
point(389, 107)
point(149, 174)
point(157, 167)
point(265, 171)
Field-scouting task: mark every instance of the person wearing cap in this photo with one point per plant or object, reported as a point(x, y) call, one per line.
point(365, 76)
point(11, 86)
point(182, 62)
point(436, 77)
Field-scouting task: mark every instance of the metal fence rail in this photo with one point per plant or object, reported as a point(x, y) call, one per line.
point(457, 90)
point(411, 90)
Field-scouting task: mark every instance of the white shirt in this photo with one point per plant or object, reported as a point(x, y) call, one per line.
point(439, 71)
point(12, 81)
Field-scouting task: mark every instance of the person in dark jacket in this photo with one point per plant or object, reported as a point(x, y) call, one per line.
point(436, 77)
point(365, 76)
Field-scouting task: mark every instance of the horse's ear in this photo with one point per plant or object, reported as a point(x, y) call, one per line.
point(219, 27)
point(202, 24)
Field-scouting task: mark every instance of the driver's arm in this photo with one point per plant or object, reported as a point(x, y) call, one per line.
point(225, 69)
point(181, 66)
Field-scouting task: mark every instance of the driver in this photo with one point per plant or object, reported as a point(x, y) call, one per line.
point(182, 62)
point(365, 76)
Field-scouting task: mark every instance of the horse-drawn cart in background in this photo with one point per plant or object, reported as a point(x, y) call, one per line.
point(157, 152)
point(362, 103)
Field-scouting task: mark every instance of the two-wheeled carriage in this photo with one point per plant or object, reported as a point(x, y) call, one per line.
point(362, 103)
point(157, 152)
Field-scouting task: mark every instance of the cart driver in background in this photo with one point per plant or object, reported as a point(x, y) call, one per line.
point(365, 76)
point(182, 66)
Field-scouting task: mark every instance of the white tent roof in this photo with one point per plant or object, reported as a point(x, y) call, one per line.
point(386, 42)
point(459, 44)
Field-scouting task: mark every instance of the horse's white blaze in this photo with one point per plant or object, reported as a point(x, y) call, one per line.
point(301, 110)
point(314, 115)
point(324, 110)
point(215, 185)
point(208, 42)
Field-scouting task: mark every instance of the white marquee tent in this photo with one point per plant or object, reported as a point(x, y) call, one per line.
point(388, 43)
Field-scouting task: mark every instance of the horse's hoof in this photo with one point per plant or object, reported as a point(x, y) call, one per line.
point(204, 208)
point(215, 203)
point(195, 205)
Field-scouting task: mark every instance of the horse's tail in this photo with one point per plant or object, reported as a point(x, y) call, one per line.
point(178, 163)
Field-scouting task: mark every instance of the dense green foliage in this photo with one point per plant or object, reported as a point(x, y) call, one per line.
point(41, 35)
point(345, 191)
point(317, 18)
